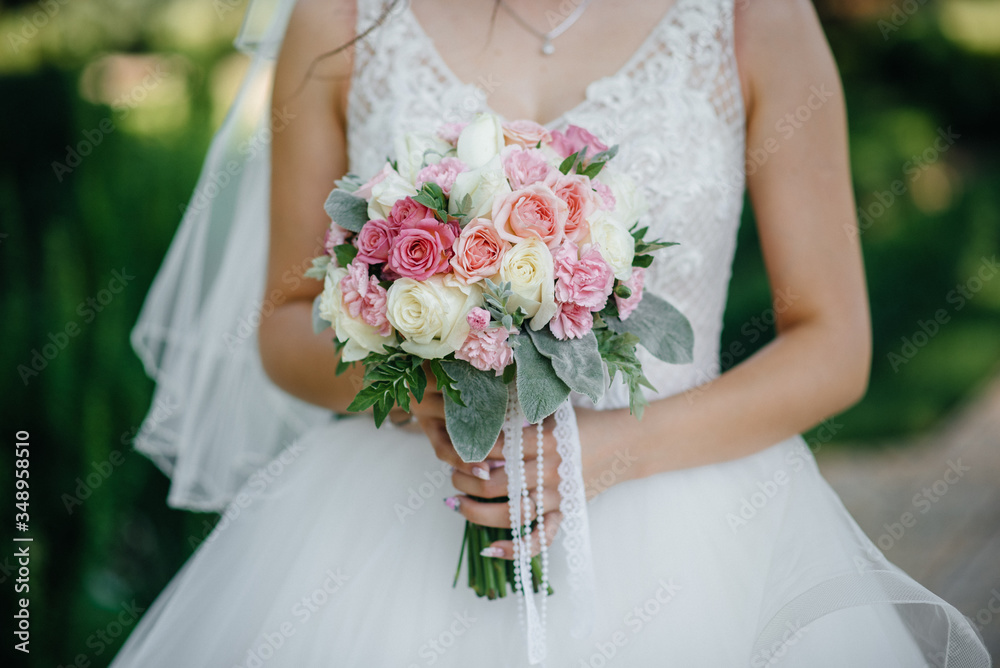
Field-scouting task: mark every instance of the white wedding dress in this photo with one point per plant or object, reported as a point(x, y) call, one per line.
point(340, 552)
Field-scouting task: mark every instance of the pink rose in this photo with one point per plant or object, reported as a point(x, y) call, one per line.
point(571, 321)
point(408, 210)
point(579, 195)
point(478, 251)
point(479, 319)
point(374, 241)
point(442, 173)
point(365, 190)
point(335, 236)
point(587, 281)
point(525, 133)
point(575, 138)
point(422, 249)
point(605, 196)
point(524, 166)
point(450, 131)
point(487, 350)
point(363, 298)
point(635, 284)
point(533, 211)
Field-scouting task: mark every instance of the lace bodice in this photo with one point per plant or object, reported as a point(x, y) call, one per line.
point(676, 111)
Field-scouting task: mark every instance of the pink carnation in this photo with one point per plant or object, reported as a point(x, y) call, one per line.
point(635, 284)
point(335, 236)
point(442, 173)
point(478, 318)
point(587, 281)
point(575, 138)
point(571, 321)
point(407, 210)
point(365, 190)
point(524, 166)
point(525, 133)
point(605, 197)
point(450, 132)
point(487, 349)
point(364, 298)
point(576, 191)
point(422, 249)
point(374, 241)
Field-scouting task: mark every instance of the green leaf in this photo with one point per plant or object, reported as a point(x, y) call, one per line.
point(346, 210)
point(445, 383)
point(566, 165)
point(319, 324)
point(349, 183)
point(618, 352)
point(577, 362)
point(474, 427)
point(661, 328)
point(604, 156)
point(642, 261)
point(318, 268)
point(345, 254)
point(539, 389)
point(366, 398)
point(509, 374)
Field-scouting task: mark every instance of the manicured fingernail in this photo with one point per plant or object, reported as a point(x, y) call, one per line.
point(453, 502)
point(497, 464)
point(481, 473)
point(526, 424)
point(494, 552)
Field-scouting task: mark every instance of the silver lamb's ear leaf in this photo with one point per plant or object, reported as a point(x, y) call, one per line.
point(319, 324)
point(577, 362)
point(346, 210)
point(661, 328)
point(539, 389)
point(475, 427)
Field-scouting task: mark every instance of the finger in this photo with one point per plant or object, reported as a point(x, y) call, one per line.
point(492, 483)
point(496, 514)
point(431, 406)
point(504, 549)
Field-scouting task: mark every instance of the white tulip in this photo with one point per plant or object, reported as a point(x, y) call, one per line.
point(480, 141)
point(416, 150)
point(482, 185)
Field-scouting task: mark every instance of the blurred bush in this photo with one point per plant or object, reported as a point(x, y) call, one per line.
point(106, 121)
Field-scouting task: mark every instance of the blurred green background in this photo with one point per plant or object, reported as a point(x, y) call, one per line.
point(146, 82)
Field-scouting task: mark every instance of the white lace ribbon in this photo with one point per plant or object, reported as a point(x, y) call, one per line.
point(575, 526)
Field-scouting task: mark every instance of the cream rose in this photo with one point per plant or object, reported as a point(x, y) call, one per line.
point(385, 193)
point(482, 185)
point(529, 268)
point(431, 314)
point(616, 245)
point(416, 150)
point(359, 338)
point(630, 202)
point(480, 141)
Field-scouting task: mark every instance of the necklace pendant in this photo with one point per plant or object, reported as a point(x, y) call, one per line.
point(547, 48)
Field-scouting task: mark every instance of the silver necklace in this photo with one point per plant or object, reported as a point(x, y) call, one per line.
point(547, 48)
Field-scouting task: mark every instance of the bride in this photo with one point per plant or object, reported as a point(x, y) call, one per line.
point(714, 539)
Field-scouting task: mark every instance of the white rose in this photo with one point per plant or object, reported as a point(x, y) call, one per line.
point(616, 245)
point(385, 193)
point(359, 338)
point(480, 141)
point(415, 150)
point(482, 185)
point(630, 202)
point(431, 315)
point(529, 268)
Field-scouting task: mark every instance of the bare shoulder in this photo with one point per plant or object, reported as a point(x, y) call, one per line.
point(316, 29)
point(781, 50)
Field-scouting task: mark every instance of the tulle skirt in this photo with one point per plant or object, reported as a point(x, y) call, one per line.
point(340, 552)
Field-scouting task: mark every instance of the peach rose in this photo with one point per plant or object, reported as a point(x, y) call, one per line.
point(531, 212)
point(478, 251)
point(578, 193)
point(525, 133)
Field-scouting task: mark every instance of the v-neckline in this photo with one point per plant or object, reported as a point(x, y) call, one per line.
point(627, 67)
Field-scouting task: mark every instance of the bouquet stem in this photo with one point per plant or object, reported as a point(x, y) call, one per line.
point(489, 576)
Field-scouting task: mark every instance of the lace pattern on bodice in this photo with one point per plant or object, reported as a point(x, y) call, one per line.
point(676, 111)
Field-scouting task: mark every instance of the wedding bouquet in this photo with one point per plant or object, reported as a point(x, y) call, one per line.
point(505, 260)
